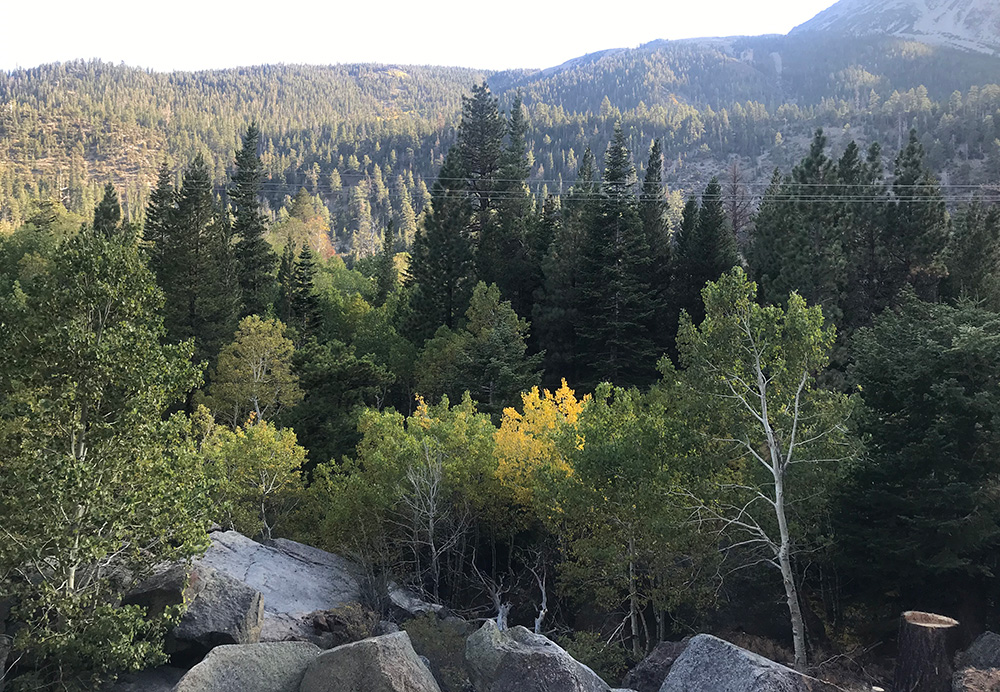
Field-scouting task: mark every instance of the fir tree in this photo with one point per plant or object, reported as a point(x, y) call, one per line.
point(255, 259)
point(616, 301)
point(653, 209)
point(195, 267)
point(305, 312)
point(706, 250)
point(556, 314)
point(441, 269)
point(108, 213)
point(918, 221)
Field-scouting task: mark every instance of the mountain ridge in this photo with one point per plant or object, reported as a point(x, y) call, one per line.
point(972, 25)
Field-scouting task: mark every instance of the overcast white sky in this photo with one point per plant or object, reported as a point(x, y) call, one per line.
point(489, 34)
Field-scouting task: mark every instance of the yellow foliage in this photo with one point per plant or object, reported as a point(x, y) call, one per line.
point(526, 443)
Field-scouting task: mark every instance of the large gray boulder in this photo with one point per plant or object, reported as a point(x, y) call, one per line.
point(220, 609)
point(379, 664)
point(516, 660)
point(710, 664)
point(294, 579)
point(268, 667)
point(983, 653)
point(649, 674)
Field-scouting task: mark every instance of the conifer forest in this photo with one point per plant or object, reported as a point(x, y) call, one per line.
point(666, 340)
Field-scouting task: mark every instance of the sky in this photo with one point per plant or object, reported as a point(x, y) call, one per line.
point(499, 34)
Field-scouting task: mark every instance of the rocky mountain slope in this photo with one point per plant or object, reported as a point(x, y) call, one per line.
point(972, 25)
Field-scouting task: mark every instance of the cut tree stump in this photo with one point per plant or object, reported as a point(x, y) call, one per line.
point(923, 663)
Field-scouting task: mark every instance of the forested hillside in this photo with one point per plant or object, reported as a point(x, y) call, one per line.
point(367, 139)
point(618, 363)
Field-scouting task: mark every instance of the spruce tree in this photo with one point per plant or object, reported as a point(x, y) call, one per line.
point(773, 229)
point(918, 222)
point(653, 210)
point(305, 312)
point(194, 265)
point(706, 250)
point(441, 271)
point(255, 260)
point(386, 276)
point(867, 244)
point(616, 301)
point(108, 213)
point(556, 314)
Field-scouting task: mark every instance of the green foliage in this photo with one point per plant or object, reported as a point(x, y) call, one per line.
point(916, 518)
point(255, 260)
point(616, 300)
point(610, 660)
point(256, 473)
point(337, 383)
point(254, 378)
point(97, 485)
point(486, 358)
point(441, 269)
point(754, 369)
point(620, 510)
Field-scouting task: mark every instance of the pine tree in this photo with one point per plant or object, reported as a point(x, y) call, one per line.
point(386, 276)
point(556, 314)
point(108, 213)
point(506, 255)
point(865, 236)
point(304, 301)
point(255, 259)
point(973, 256)
point(480, 147)
point(706, 250)
point(194, 265)
point(157, 230)
point(441, 269)
point(616, 301)
point(286, 282)
point(814, 258)
point(653, 209)
point(773, 230)
point(918, 221)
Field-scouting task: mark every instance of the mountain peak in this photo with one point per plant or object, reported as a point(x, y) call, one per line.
point(972, 25)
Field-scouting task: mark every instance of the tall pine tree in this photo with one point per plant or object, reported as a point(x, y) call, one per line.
point(705, 250)
point(255, 260)
point(441, 271)
point(918, 221)
point(616, 301)
point(194, 264)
